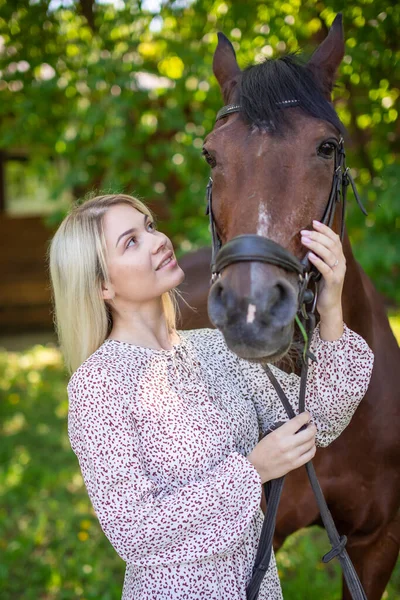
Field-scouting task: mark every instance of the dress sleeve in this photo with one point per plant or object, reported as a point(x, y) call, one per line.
point(146, 524)
point(336, 384)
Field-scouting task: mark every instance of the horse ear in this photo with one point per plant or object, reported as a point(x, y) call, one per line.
point(328, 56)
point(225, 66)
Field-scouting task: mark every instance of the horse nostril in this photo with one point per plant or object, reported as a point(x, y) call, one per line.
point(274, 306)
point(216, 291)
point(284, 308)
point(279, 304)
point(223, 296)
point(216, 304)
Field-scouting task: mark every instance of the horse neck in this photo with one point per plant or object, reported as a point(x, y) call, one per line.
point(363, 307)
point(356, 301)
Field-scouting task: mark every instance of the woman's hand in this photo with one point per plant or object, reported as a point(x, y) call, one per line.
point(284, 449)
point(326, 253)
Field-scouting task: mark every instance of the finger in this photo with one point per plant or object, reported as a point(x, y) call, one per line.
point(294, 424)
point(304, 436)
point(306, 457)
point(300, 450)
point(321, 238)
point(326, 230)
point(322, 267)
point(323, 252)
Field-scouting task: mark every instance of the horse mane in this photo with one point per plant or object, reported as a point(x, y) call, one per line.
point(263, 86)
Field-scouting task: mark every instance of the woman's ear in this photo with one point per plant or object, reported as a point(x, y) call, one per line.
point(107, 291)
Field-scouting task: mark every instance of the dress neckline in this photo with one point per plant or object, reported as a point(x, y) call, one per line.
point(146, 349)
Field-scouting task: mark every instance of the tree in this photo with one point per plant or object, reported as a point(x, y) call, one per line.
point(125, 95)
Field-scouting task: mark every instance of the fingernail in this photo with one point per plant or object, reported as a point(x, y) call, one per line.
point(316, 222)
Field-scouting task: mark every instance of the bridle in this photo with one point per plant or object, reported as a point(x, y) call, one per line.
point(253, 247)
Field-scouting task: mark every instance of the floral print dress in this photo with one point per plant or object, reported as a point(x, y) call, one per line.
point(162, 438)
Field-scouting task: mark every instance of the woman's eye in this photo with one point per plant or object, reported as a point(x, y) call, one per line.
point(133, 239)
point(209, 159)
point(326, 150)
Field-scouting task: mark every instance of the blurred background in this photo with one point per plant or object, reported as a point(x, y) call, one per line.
point(114, 96)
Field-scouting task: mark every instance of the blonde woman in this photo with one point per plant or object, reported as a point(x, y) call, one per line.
point(166, 423)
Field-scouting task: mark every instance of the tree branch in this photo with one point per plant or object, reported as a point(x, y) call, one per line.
point(86, 9)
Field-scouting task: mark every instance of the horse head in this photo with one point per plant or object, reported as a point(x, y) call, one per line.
point(273, 160)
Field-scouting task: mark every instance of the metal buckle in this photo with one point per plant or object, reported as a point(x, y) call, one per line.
point(304, 282)
point(314, 305)
point(214, 277)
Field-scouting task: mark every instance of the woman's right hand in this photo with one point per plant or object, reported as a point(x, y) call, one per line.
point(284, 450)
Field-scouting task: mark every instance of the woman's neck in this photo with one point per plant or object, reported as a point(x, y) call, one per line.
point(143, 326)
point(156, 343)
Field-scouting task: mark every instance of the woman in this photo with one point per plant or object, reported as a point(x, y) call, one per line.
point(166, 423)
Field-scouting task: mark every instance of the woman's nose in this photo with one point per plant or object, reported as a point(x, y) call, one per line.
point(161, 243)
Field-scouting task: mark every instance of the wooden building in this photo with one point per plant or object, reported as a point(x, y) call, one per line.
point(25, 297)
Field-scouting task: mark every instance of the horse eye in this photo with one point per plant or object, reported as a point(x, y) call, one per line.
point(209, 159)
point(326, 150)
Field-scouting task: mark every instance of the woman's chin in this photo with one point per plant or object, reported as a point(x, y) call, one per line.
point(175, 277)
point(179, 273)
point(183, 274)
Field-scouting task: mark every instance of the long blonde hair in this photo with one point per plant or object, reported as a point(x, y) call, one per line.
point(78, 267)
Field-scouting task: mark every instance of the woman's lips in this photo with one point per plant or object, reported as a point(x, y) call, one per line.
point(170, 265)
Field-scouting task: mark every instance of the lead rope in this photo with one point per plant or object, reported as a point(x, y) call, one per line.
point(273, 491)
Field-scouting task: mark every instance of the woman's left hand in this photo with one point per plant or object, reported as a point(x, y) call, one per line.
point(326, 253)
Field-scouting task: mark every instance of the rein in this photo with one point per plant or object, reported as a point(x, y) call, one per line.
point(253, 247)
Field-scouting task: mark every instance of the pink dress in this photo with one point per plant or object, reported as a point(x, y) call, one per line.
point(162, 438)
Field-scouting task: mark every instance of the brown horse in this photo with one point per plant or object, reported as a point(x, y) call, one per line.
point(272, 174)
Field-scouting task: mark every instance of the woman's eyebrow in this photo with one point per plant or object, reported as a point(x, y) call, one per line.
point(132, 230)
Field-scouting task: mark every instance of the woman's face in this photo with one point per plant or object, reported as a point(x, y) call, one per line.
point(135, 253)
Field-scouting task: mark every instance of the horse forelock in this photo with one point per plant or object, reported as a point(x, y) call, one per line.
point(263, 88)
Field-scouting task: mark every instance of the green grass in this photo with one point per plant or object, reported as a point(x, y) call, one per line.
point(51, 545)
point(305, 577)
